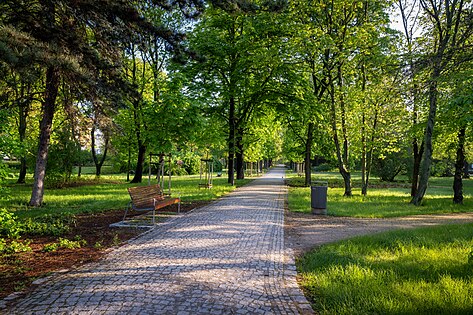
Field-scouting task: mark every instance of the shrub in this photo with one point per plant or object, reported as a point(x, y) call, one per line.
point(50, 224)
point(191, 163)
point(324, 167)
point(78, 242)
point(442, 168)
point(387, 168)
point(9, 225)
point(14, 246)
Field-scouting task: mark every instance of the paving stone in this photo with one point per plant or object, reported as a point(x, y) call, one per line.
point(226, 258)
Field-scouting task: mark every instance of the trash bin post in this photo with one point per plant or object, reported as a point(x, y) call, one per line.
point(318, 197)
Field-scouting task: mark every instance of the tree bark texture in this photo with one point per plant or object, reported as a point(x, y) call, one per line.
point(417, 152)
point(308, 151)
point(139, 164)
point(342, 157)
point(426, 163)
point(138, 177)
point(240, 164)
point(459, 166)
point(23, 114)
point(231, 141)
point(48, 107)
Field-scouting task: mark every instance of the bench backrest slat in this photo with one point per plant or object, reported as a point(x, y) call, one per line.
point(142, 196)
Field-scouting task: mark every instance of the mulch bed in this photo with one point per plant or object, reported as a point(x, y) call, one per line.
point(18, 271)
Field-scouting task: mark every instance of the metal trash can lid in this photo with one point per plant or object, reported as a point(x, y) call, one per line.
point(319, 183)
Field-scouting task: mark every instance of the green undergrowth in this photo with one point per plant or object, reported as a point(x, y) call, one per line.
point(383, 199)
point(420, 271)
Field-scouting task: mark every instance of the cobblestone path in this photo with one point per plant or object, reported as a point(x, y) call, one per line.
point(226, 258)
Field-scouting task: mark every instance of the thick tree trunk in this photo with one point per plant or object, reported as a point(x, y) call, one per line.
point(459, 166)
point(308, 151)
point(139, 164)
point(231, 142)
point(128, 164)
point(426, 162)
point(240, 156)
point(342, 157)
point(48, 107)
point(416, 167)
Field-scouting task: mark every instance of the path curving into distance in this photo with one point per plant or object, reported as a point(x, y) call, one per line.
point(226, 258)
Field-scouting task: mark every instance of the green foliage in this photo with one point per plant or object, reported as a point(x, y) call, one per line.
point(64, 243)
point(48, 224)
point(419, 271)
point(64, 153)
point(324, 167)
point(443, 168)
point(388, 167)
point(13, 246)
point(4, 191)
point(9, 225)
point(191, 163)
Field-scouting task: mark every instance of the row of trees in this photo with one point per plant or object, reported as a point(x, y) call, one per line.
point(379, 89)
point(250, 78)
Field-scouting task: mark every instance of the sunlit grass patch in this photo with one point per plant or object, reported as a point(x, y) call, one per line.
point(422, 271)
point(381, 202)
point(108, 193)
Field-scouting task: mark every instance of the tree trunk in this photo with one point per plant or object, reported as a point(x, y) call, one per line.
point(416, 167)
point(48, 107)
point(459, 166)
point(342, 157)
point(139, 164)
point(98, 164)
point(231, 142)
point(23, 114)
point(308, 152)
point(240, 164)
point(426, 162)
point(364, 182)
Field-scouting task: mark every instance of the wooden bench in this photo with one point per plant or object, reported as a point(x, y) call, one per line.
point(149, 198)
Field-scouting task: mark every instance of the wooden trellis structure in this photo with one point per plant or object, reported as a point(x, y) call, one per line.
point(160, 166)
point(206, 173)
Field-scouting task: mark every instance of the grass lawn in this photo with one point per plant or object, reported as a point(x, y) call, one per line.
point(108, 193)
point(383, 200)
point(421, 271)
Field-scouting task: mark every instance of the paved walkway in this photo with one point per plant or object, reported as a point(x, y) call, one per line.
point(226, 258)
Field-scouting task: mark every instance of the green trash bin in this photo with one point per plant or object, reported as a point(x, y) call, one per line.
point(318, 197)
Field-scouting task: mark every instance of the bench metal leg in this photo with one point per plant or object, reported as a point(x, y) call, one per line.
point(126, 211)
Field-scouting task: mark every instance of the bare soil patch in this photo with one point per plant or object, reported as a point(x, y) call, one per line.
point(18, 271)
point(306, 231)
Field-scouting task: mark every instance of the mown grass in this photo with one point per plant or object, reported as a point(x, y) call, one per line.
point(108, 193)
point(421, 271)
point(383, 200)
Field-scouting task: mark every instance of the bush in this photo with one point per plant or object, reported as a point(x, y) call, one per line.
point(78, 242)
point(218, 167)
point(14, 247)
point(9, 225)
point(324, 167)
point(388, 167)
point(442, 168)
point(191, 163)
point(4, 191)
point(50, 224)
